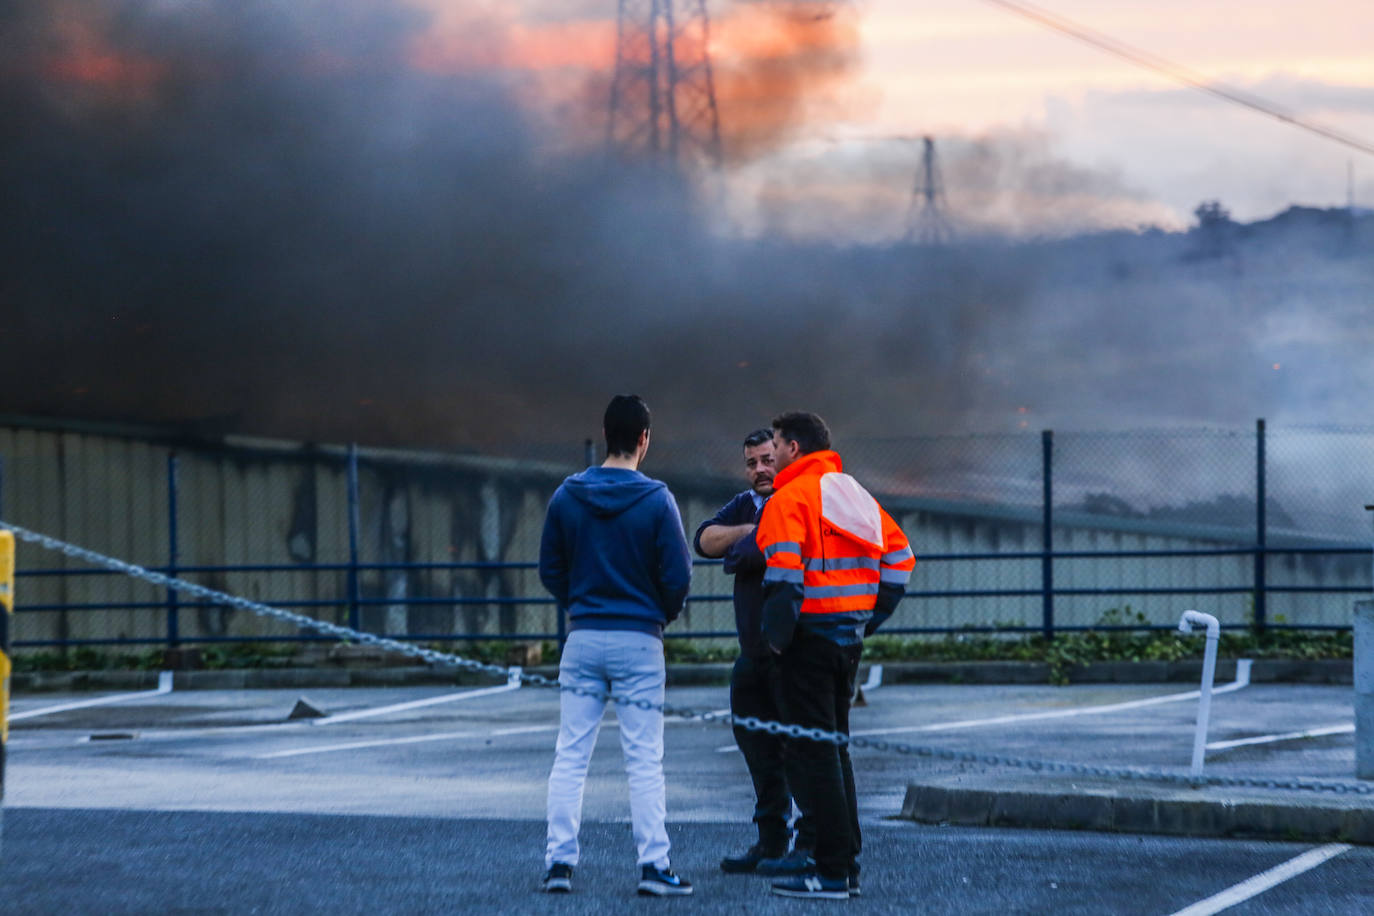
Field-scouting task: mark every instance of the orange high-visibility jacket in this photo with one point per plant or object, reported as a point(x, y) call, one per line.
point(837, 562)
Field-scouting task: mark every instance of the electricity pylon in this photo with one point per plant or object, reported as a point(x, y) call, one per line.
point(663, 99)
point(927, 220)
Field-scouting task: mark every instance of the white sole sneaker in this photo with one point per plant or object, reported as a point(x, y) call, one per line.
point(659, 889)
point(813, 895)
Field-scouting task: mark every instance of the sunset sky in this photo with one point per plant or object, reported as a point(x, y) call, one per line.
point(1082, 138)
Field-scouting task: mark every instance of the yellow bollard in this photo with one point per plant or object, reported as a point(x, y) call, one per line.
point(6, 618)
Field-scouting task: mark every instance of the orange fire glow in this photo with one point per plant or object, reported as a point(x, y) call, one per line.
point(769, 57)
point(453, 47)
point(766, 57)
point(104, 68)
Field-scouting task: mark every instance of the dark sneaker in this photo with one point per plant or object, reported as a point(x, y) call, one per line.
point(746, 863)
point(796, 862)
point(854, 882)
point(661, 882)
point(558, 879)
point(813, 886)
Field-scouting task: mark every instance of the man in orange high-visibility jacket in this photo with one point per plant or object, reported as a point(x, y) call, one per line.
point(837, 567)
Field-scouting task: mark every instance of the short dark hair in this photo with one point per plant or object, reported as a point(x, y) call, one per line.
point(626, 419)
point(758, 437)
point(806, 429)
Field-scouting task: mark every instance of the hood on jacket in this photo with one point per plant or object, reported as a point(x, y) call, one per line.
point(610, 491)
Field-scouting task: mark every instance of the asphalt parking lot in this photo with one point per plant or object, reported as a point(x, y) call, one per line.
point(216, 802)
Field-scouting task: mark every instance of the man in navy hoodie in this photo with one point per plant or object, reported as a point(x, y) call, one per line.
point(615, 558)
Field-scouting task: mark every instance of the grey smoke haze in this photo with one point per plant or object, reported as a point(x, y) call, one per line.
point(256, 217)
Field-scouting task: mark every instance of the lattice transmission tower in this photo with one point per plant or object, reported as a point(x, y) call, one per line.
point(928, 220)
point(663, 99)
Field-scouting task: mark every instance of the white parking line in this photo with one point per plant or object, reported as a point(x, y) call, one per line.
point(164, 685)
point(1286, 736)
point(512, 683)
point(607, 723)
point(1242, 680)
point(1264, 880)
point(413, 739)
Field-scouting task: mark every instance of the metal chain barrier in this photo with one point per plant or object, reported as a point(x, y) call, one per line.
point(752, 723)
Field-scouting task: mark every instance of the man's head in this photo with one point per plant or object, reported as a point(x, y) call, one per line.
point(758, 461)
point(797, 433)
point(626, 425)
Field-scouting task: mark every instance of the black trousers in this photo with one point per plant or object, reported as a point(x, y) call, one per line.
point(818, 679)
point(756, 690)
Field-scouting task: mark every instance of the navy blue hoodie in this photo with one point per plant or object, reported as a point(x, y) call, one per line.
point(613, 552)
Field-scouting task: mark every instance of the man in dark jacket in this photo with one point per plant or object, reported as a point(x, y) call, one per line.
point(615, 558)
point(755, 689)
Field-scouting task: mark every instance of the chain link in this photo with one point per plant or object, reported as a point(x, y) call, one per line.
point(751, 723)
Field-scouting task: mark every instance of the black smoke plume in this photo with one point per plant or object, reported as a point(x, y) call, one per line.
point(259, 217)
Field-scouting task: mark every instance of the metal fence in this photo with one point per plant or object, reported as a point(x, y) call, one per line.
point(1028, 532)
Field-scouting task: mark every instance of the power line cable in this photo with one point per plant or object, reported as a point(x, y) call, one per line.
point(1177, 72)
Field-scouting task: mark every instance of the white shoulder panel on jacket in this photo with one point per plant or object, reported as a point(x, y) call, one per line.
point(848, 507)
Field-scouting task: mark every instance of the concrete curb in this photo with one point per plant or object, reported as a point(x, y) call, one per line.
point(1061, 803)
point(1318, 671)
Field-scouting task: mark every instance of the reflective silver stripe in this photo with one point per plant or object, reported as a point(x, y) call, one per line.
point(784, 575)
point(824, 563)
point(897, 556)
point(839, 591)
point(781, 547)
point(895, 576)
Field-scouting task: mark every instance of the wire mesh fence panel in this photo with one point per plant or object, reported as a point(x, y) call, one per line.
point(1318, 481)
point(91, 488)
point(1157, 492)
point(246, 526)
point(448, 546)
point(970, 505)
point(1145, 524)
point(703, 475)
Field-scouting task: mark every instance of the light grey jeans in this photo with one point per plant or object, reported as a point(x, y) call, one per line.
point(630, 665)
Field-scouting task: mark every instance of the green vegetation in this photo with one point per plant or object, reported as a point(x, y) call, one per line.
point(1109, 645)
point(1112, 643)
point(86, 658)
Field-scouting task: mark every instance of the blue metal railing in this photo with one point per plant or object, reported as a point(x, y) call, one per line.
point(352, 602)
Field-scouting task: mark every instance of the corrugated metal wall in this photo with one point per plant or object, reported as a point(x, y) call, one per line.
point(252, 503)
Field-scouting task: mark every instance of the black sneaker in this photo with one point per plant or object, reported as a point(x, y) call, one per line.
point(854, 882)
point(746, 863)
point(796, 862)
point(813, 886)
point(661, 882)
point(558, 879)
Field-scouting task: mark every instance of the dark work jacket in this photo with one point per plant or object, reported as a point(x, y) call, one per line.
point(744, 561)
point(613, 552)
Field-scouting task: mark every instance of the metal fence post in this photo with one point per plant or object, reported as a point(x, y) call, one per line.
point(1261, 554)
point(6, 620)
point(173, 552)
point(1364, 689)
point(353, 525)
point(6, 617)
point(1047, 538)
